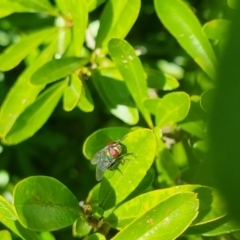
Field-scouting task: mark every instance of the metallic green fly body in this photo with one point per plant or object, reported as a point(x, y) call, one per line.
point(108, 158)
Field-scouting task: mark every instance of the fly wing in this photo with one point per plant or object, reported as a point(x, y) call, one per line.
point(95, 157)
point(99, 173)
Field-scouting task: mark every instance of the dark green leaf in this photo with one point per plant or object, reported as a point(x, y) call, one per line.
point(116, 20)
point(14, 54)
point(35, 115)
point(217, 29)
point(207, 99)
point(115, 94)
point(167, 220)
point(178, 18)
point(57, 69)
point(53, 204)
point(162, 81)
point(131, 69)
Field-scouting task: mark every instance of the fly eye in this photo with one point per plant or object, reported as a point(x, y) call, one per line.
point(113, 152)
point(110, 143)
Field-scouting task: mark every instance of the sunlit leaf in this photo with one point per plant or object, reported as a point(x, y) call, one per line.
point(15, 53)
point(36, 114)
point(167, 220)
point(79, 13)
point(181, 22)
point(172, 108)
point(53, 204)
point(131, 69)
point(116, 20)
point(93, 4)
point(57, 69)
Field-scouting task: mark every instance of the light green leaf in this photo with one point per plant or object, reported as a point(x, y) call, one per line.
point(53, 204)
point(217, 29)
point(9, 219)
point(5, 235)
point(116, 20)
point(173, 108)
point(93, 4)
point(15, 53)
point(114, 93)
point(37, 5)
point(57, 69)
point(23, 93)
point(131, 69)
point(96, 236)
point(100, 138)
point(72, 93)
point(113, 189)
point(167, 220)
point(35, 115)
point(162, 81)
point(79, 13)
point(85, 102)
point(81, 228)
point(181, 22)
point(64, 6)
point(151, 104)
point(8, 7)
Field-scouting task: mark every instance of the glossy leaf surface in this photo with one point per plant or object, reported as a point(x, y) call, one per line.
point(100, 138)
point(131, 69)
point(115, 94)
point(23, 93)
point(72, 93)
point(172, 108)
point(167, 220)
point(113, 189)
point(35, 115)
point(57, 69)
point(181, 22)
point(79, 12)
point(111, 20)
point(53, 204)
point(15, 53)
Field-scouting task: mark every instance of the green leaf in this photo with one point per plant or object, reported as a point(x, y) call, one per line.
point(96, 236)
point(5, 235)
point(217, 29)
point(211, 205)
point(162, 81)
point(37, 5)
point(8, 7)
point(53, 204)
point(115, 94)
point(81, 228)
point(57, 69)
point(85, 102)
point(167, 220)
point(23, 93)
point(232, 3)
point(15, 53)
point(116, 20)
point(207, 100)
point(194, 123)
point(93, 4)
point(100, 138)
point(224, 225)
point(9, 219)
point(113, 189)
point(80, 20)
point(64, 6)
point(35, 115)
point(173, 108)
point(152, 104)
point(181, 22)
point(72, 93)
point(200, 149)
point(131, 69)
